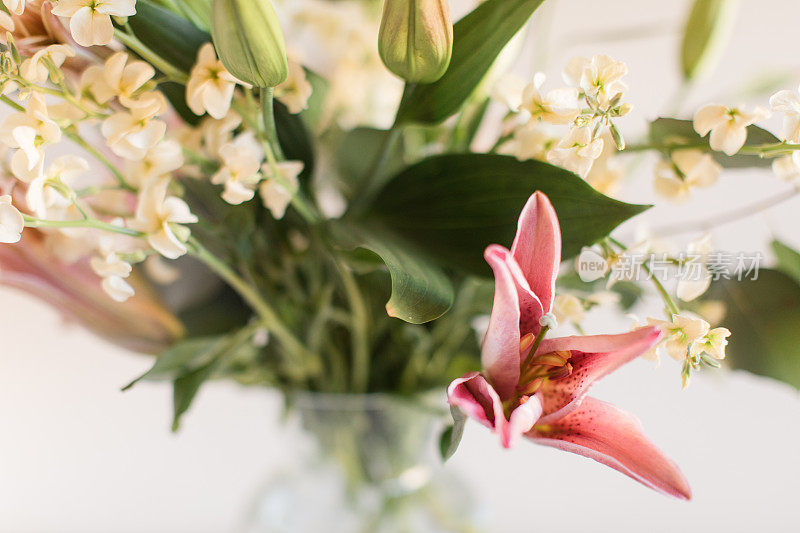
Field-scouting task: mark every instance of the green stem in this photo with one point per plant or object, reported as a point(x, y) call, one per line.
point(32, 222)
point(762, 150)
point(358, 330)
point(268, 113)
point(80, 141)
point(269, 317)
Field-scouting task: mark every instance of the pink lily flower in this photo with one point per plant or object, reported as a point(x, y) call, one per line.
point(536, 387)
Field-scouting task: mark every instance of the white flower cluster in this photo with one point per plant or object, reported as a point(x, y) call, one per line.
point(587, 106)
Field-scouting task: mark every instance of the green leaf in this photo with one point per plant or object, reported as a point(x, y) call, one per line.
point(478, 39)
point(763, 316)
point(185, 388)
point(421, 292)
point(169, 35)
point(673, 131)
point(453, 206)
point(708, 29)
point(451, 436)
point(357, 151)
point(788, 260)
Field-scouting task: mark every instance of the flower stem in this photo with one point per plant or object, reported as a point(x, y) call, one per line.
point(359, 331)
point(32, 222)
point(269, 317)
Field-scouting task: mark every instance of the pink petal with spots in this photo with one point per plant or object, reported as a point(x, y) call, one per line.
point(514, 306)
point(592, 358)
point(602, 432)
point(537, 247)
point(477, 399)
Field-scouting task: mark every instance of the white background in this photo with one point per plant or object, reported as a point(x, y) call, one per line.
point(78, 455)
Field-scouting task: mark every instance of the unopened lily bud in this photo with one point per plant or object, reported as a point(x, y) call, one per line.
point(249, 41)
point(416, 39)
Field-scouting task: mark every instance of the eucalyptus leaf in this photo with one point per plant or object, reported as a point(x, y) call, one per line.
point(478, 39)
point(788, 260)
point(421, 292)
point(763, 316)
point(679, 133)
point(454, 206)
point(708, 28)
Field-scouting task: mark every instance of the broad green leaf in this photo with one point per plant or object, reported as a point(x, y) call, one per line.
point(357, 151)
point(183, 357)
point(421, 292)
point(788, 260)
point(453, 206)
point(451, 436)
point(679, 133)
point(708, 29)
point(198, 11)
point(169, 35)
point(185, 388)
point(763, 316)
point(478, 39)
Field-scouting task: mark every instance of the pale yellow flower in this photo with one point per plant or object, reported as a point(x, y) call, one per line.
point(559, 106)
point(52, 190)
point(15, 7)
point(241, 161)
point(11, 221)
point(163, 158)
point(788, 103)
point(532, 141)
point(577, 151)
point(787, 167)
point(34, 68)
point(161, 217)
point(122, 78)
point(568, 308)
point(688, 169)
point(130, 134)
point(681, 333)
point(29, 132)
point(210, 86)
point(280, 185)
point(599, 78)
point(90, 20)
point(296, 90)
point(713, 344)
point(728, 125)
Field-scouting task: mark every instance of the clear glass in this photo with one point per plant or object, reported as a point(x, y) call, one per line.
point(374, 468)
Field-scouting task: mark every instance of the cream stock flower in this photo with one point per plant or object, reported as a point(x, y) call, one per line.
point(34, 69)
point(695, 279)
point(130, 134)
point(713, 344)
point(728, 125)
point(568, 308)
point(161, 159)
point(599, 78)
point(15, 7)
point(119, 77)
point(788, 103)
point(108, 265)
point(532, 141)
point(241, 161)
point(160, 217)
point(90, 20)
point(577, 151)
point(787, 167)
point(296, 90)
point(210, 87)
point(681, 333)
point(280, 185)
point(559, 106)
point(29, 131)
point(52, 189)
point(11, 221)
point(689, 168)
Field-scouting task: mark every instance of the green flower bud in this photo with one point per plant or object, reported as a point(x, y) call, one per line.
point(249, 41)
point(416, 39)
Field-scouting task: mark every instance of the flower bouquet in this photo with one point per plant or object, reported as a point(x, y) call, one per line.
point(353, 203)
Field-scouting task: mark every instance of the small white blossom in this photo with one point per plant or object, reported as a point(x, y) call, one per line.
point(119, 77)
point(532, 141)
point(599, 78)
point(568, 308)
point(160, 217)
point(728, 125)
point(713, 344)
point(11, 221)
point(90, 20)
point(695, 281)
point(681, 333)
point(788, 103)
point(29, 131)
point(577, 151)
point(277, 189)
point(161, 159)
point(15, 7)
point(34, 69)
point(52, 189)
point(210, 87)
point(295, 91)
point(787, 167)
point(688, 168)
point(241, 161)
point(559, 106)
point(130, 134)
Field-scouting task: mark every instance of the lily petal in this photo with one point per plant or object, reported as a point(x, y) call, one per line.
point(537, 247)
point(477, 398)
point(601, 431)
point(592, 357)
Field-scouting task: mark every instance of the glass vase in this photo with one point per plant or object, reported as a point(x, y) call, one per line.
point(374, 466)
